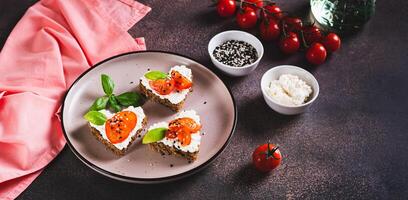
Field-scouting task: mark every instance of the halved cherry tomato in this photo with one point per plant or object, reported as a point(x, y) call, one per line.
point(120, 125)
point(187, 122)
point(184, 136)
point(163, 86)
point(180, 81)
point(171, 134)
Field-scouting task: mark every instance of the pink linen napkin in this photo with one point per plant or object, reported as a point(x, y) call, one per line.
point(54, 42)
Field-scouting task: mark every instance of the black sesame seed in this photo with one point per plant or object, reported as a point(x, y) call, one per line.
point(131, 82)
point(171, 165)
point(205, 102)
point(235, 53)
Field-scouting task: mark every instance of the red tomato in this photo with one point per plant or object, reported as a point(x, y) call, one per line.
point(184, 136)
point(187, 122)
point(171, 134)
point(226, 8)
point(246, 18)
point(269, 29)
point(293, 24)
point(312, 34)
point(266, 157)
point(272, 11)
point(259, 3)
point(162, 86)
point(332, 42)
point(120, 125)
point(316, 54)
point(180, 81)
point(289, 44)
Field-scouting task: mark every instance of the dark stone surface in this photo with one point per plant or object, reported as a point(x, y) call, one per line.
point(351, 144)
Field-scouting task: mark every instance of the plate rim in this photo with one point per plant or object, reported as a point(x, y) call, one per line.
point(146, 180)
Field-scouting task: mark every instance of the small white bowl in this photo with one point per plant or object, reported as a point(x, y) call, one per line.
point(274, 74)
point(235, 35)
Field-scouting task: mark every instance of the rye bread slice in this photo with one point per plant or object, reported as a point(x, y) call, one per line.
point(152, 96)
point(112, 147)
point(164, 149)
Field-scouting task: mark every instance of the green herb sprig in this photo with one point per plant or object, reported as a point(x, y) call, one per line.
point(111, 101)
point(154, 135)
point(156, 75)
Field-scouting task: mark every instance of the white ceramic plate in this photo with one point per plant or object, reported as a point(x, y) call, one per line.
point(211, 99)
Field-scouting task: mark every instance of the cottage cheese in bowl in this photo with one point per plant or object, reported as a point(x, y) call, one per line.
point(289, 90)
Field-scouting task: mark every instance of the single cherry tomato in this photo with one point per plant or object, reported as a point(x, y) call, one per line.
point(187, 122)
point(163, 86)
point(258, 3)
point(184, 136)
point(316, 54)
point(180, 81)
point(120, 125)
point(266, 157)
point(273, 12)
point(312, 34)
point(269, 29)
point(289, 44)
point(332, 42)
point(293, 24)
point(226, 8)
point(246, 18)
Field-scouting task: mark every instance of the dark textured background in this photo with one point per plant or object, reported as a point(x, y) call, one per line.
point(351, 144)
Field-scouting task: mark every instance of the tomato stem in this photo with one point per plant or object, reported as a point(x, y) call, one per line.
point(270, 152)
point(302, 35)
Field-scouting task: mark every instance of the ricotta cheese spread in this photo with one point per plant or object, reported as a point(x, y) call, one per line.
point(289, 90)
point(140, 116)
point(174, 97)
point(173, 142)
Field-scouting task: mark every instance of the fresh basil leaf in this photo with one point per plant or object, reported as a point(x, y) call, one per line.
point(107, 84)
point(113, 103)
point(129, 99)
point(155, 75)
point(95, 117)
point(99, 103)
point(154, 135)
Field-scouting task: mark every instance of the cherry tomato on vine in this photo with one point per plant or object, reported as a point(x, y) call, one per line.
point(246, 18)
point(332, 42)
point(289, 44)
point(266, 157)
point(272, 11)
point(293, 24)
point(316, 54)
point(258, 3)
point(269, 29)
point(226, 8)
point(312, 34)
